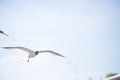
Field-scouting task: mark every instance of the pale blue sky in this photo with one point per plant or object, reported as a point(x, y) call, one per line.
point(86, 31)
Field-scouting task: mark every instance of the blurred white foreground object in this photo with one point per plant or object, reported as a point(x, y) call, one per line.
point(116, 77)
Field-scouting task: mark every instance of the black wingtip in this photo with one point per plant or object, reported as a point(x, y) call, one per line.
point(1, 32)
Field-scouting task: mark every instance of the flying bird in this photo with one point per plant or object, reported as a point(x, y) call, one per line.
point(32, 53)
point(3, 33)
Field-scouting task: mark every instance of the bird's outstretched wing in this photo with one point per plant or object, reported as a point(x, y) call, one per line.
point(6, 35)
point(3, 33)
point(19, 48)
point(49, 51)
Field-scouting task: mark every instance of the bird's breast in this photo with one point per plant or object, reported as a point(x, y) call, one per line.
point(32, 54)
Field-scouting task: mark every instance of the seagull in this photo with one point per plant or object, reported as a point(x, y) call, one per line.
point(3, 33)
point(32, 53)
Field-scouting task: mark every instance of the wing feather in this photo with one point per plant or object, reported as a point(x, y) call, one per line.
point(18, 48)
point(3, 33)
point(49, 51)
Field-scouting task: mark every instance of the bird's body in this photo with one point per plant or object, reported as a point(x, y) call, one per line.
point(32, 53)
